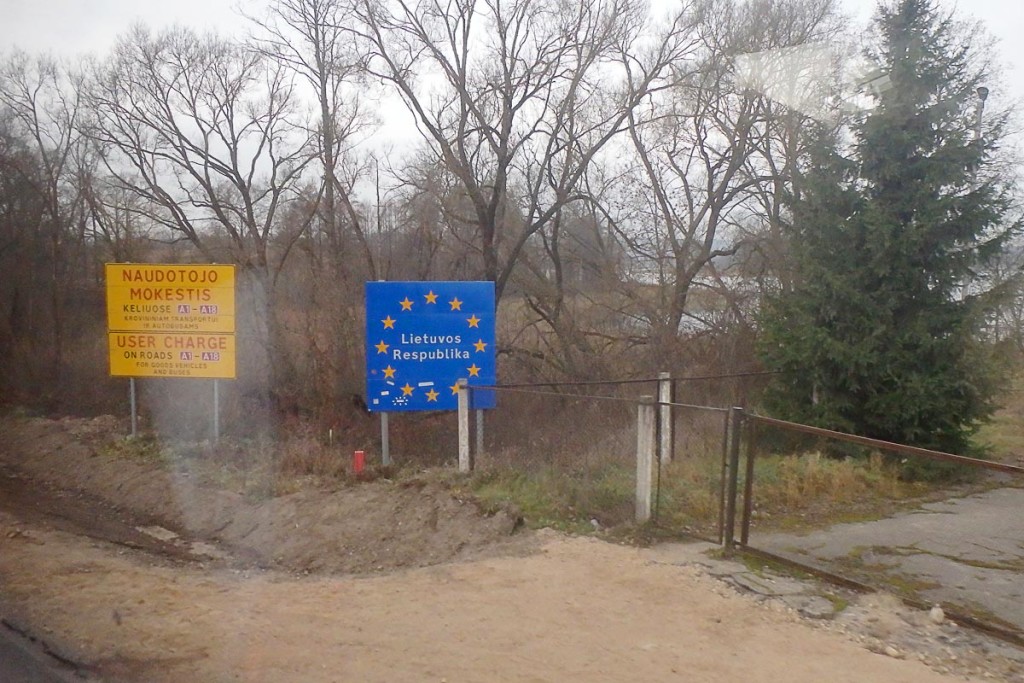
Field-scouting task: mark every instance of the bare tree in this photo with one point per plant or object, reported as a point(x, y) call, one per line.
point(715, 157)
point(40, 103)
point(517, 98)
point(306, 36)
point(202, 135)
point(115, 217)
point(203, 131)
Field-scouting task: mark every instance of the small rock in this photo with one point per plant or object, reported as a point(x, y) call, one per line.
point(892, 652)
point(812, 606)
point(937, 615)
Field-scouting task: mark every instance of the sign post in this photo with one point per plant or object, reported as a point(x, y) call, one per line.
point(171, 320)
point(385, 445)
point(216, 410)
point(135, 409)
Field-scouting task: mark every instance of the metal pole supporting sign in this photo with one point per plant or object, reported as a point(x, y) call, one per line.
point(385, 446)
point(216, 411)
point(134, 407)
point(479, 436)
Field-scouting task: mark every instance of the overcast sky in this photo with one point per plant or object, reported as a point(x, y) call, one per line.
point(71, 27)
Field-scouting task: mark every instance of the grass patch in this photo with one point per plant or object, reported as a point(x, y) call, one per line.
point(790, 492)
point(810, 490)
point(839, 603)
point(553, 497)
point(905, 584)
point(140, 448)
point(687, 494)
point(760, 565)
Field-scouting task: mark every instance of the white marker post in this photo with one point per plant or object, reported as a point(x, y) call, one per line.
point(665, 417)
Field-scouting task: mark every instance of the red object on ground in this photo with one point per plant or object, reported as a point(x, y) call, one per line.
point(358, 461)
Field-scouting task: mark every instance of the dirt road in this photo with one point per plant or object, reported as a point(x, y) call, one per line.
point(22, 661)
point(77, 571)
point(577, 610)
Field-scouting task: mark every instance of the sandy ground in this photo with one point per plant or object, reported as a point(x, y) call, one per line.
point(136, 573)
point(576, 610)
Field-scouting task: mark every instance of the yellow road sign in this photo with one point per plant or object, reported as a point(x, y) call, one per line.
point(159, 354)
point(143, 297)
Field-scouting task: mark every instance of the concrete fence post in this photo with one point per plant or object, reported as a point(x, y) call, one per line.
point(665, 418)
point(645, 444)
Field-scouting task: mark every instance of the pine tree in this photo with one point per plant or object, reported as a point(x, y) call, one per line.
point(877, 335)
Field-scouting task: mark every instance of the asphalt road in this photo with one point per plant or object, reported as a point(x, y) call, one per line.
point(963, 551)
point(22, 661)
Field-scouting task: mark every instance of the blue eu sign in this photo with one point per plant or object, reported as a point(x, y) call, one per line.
point(422, 337)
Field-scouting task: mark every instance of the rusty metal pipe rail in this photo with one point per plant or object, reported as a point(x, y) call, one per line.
point(953, 613)
point(886, 445)
point(1005, 633)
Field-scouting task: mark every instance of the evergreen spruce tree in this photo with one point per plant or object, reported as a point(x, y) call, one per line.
point(877, 334)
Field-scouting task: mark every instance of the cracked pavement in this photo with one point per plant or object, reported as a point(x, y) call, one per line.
point(967, 552)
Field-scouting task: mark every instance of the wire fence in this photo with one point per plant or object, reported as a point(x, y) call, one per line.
point(574, 445)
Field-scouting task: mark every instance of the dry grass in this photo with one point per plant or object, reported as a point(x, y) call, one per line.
point(798, 482)
point(569, 462)
point(789, 490)
point(1004, 435)
point(258, 468)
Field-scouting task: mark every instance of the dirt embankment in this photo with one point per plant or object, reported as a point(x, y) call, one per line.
point(365, 527)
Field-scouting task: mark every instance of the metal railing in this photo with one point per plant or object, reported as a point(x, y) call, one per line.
point(743, 428)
